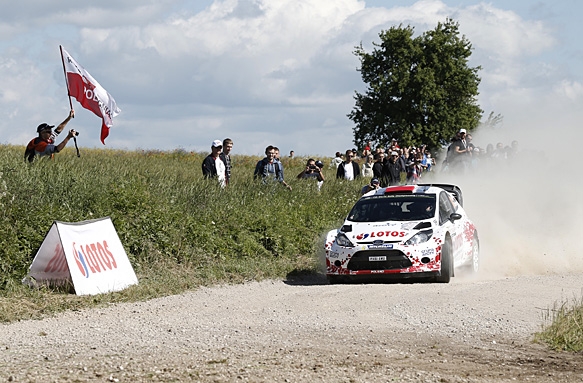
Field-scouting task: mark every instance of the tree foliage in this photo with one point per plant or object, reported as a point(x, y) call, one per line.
point(420, 90)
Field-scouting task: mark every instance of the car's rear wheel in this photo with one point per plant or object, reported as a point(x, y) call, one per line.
point(446, 263)
point(475, 265)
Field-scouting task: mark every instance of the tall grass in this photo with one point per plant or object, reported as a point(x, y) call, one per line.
point(564, 327)
point(179, 230)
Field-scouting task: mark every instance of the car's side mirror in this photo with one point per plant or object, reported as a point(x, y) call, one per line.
point(454, 217)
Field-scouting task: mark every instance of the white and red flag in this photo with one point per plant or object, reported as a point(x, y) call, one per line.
point(89, 93)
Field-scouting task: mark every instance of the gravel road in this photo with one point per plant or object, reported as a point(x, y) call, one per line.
point(304, 330)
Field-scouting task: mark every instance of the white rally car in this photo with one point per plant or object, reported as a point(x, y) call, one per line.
point(404, 231)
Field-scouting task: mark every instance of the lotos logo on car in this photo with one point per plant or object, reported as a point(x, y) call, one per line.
point(94, 258)
point(387, 233)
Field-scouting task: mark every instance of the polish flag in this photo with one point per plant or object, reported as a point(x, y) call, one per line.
point(89, 93)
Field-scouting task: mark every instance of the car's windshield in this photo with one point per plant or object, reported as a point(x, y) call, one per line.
point(411, 207)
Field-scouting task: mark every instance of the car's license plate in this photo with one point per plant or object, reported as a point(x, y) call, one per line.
point(379, 258)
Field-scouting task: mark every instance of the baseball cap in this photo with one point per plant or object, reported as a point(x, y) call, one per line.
point(319, 164)
point(216, 144)
point(394, 154)
point(375, 181)
point(462, 131)
point(44, 126)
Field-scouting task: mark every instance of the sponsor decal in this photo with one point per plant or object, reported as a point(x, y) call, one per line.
point(379, 234)
point(333, 254)
point(93, 258)
point(428, 252)
point(387, 246)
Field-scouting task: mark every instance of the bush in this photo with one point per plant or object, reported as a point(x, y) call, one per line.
point(165, 212)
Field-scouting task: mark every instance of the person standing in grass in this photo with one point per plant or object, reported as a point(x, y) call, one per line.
point(348, 170)
point(268, 169)
point(213, 166)
point(226, 157)
point(44, 144)
point(278, 161)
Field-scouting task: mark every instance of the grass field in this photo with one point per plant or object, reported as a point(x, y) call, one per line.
point(179, 230)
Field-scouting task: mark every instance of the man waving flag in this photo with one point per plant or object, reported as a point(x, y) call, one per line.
point(89, 93)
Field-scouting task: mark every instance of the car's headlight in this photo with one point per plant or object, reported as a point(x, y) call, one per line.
point(421, 237)
point(342, 240)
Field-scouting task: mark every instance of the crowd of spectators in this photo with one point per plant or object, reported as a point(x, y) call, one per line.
point(380, 167)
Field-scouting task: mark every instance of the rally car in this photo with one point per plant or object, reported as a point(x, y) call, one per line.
point(404, 231)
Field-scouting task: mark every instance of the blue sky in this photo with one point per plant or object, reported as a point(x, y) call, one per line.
point(276, 72)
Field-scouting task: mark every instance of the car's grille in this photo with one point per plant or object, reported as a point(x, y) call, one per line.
point(395, 260)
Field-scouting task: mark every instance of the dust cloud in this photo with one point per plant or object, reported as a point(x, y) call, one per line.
point(527, 209)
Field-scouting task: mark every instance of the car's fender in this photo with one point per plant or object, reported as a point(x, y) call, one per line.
point(330, 238)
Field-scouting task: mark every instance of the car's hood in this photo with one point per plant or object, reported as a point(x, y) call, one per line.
point(386, 231)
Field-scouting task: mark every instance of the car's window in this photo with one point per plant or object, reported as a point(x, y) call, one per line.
point(411, 207)
point(445, 208)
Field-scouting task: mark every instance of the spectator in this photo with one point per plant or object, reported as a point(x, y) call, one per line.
point(392, 169)
point(395, 143)
point(489, 150)
point(513, 149)
point(312, 171)
point(279, 163)
point(226, 157)
point(373, 185)
point(269, 169)
point(430, 160)
point(213, 165)
point(367, 167)
point(415, 169)
point(348, 169)
point(336, 161)
point(378, 169)
point(44, 144)
point(499, 153)
point(461, 152)
point(291, 154)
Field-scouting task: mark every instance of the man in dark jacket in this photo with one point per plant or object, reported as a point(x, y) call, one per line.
point(226, 157)
point(268, 169)
point(379, 169)
point(213, 166)
point(348, 169)
point(392, 169)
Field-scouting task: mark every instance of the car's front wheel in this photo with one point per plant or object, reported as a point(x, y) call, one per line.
point(446, 263)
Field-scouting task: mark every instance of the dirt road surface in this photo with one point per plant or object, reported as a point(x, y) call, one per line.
point(304, 330)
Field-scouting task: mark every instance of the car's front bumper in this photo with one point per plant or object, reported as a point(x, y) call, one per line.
point(389, 259)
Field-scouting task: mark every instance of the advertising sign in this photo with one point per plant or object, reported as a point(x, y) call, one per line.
point(88, 254)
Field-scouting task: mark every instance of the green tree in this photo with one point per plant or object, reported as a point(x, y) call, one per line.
point(420, 90)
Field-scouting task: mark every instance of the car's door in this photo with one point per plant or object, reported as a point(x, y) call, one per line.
point(446, 208)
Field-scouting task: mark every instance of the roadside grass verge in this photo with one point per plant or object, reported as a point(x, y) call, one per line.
point(564, 327)
point(179, 230)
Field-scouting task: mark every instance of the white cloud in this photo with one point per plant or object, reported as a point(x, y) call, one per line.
point(256, 70)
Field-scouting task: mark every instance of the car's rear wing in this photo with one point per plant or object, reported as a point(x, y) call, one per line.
point(453, 189)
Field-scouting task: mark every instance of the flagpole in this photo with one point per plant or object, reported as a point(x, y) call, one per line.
point(66, 80)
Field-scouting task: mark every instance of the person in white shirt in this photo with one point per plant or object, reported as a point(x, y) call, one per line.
point(213, 166)
point(348, 170)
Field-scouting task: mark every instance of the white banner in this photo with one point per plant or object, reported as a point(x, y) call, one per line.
point(89, 254)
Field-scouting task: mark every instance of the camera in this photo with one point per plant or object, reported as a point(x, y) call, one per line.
point(313, 167)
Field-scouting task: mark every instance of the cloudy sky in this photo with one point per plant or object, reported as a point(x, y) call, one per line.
point(270, 71)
